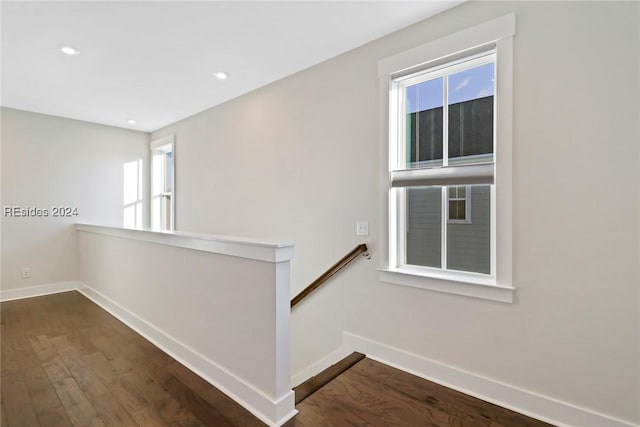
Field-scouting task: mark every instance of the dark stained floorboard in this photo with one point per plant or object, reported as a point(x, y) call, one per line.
point(374, 394)
point(67, 362)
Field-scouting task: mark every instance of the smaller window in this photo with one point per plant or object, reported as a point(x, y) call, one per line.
point(132, 215)
point(460, 204)
point(163, 184)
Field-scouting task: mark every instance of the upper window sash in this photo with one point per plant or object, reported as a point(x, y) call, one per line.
point(443, 174)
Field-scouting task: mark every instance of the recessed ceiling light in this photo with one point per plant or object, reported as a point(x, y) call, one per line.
point(68, 50)
point(220, 75)
point(131, 121)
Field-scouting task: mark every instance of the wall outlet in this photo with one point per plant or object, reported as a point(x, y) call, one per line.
point(362, 228)
point(26, 273)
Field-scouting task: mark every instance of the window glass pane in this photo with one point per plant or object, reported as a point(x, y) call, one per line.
point(155, 213)
point(156, 174)
point(130, 217)
point(138, 215)
point(457, 209)
point(470, 104)
point(424, 226)
point(457, 192)
point(131, 182)
point(469, 244)
point(169, 169)
point(165, 214)
point(424, 107)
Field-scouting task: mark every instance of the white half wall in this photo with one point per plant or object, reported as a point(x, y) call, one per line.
point(298, 160)
point(219, 306)
point(51, 161)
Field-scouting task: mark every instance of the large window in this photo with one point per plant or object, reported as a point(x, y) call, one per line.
point(445, 121)
point(449, 165)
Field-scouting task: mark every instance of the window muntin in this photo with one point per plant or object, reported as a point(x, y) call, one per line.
point(437, 145)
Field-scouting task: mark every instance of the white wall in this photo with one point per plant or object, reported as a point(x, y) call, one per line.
point(221, 307)
point(298, 160)
point(50, 161)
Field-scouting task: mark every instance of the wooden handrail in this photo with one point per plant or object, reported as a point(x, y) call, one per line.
point(330, 272)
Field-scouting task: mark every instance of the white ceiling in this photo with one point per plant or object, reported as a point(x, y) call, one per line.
point(153, 61)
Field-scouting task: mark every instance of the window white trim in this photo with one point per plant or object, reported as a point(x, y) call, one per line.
point(499, 33)
point(463, 43)
point(159, 142)
point(461, 285)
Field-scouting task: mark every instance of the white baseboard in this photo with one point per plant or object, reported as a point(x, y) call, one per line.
point(319, 366)
point(273, 413)
point(525, 402)
point(36, 291)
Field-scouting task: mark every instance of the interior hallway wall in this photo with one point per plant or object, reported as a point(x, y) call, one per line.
point(50, 161)
point(298, 160)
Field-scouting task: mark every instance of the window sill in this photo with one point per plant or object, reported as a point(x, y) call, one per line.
point(449, 283)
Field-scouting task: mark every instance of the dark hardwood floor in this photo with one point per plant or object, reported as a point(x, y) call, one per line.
point(373, 394)
point(67, 362)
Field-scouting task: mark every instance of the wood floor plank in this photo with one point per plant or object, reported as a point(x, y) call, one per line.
point(169, 408)
point(112, 413)
point(72, 397)
point(232, 410)
point(398, 402)
point(106, 405)
point(360, 403)
point(43, 348)
point(445, 399)
point(42, 394)
point(19, 410)
point(54, 417)
point(187, 377)
point(202, 409)
point(132, 403)
point(3, 419)
point(65, 361)
point(371, 393)
point(148, 407)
